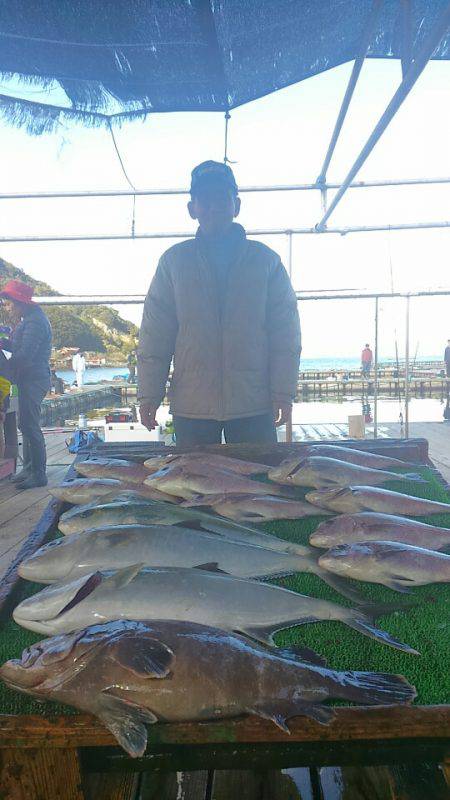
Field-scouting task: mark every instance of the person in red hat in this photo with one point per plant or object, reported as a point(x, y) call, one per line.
point(30, 347)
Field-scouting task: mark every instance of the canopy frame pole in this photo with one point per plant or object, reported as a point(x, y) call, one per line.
point(375, 377)
point(357, 66)
point(414, 72)
point(289, 265)
point(407, 368)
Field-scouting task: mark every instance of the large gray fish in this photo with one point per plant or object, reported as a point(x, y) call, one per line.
point(368, 526)
point(139, 510)
point(320, 472)
point(362, 458)
point(160, 545)
point(255, 508)
point(216, 460)
point(394, 564)
point(190, 481)
point(255, 609)
point(82, 491)
point(130, 673)
point(370, 498)
point(118, 469)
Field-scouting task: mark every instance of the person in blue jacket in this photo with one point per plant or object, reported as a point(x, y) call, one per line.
point(30, 346)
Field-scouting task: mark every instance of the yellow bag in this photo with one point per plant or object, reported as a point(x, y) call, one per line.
point(5, 387)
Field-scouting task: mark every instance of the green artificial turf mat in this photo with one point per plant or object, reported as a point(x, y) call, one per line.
point(425, 626)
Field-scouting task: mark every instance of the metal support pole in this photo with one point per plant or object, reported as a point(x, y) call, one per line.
point(289, 235)
point(357, 66)
point(375, 387)
point(407, 370)
point(418, 65)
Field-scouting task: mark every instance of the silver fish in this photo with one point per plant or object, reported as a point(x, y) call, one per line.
point(130, 673)
point(82, 491)
point(139, 510)
point(215, 460)
point(370, 498)
point(369, 526)
point(189, 482)
point(160, 545)
point(255, 609)
point(118, 469)
point(394, 564)
point(321, 472)
point(363, 458)
point(255, 508)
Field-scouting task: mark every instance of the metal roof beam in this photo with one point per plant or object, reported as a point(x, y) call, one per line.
point(357, 66)
point(343, 231)
point(417, 66)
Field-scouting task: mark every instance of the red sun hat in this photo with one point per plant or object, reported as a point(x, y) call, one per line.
point(19, 291)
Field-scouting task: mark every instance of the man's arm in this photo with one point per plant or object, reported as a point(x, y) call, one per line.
point(32, 337)
point(283, 327)
point(156, 344)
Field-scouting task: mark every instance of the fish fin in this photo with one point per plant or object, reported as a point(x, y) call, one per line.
point(376, 688)
point(303, 654)
point(264, 633)
point(211, 566)
point(403, 578)
point(396, 586)
point(122, 577)
point(365, 626)
point(126, 723)
point(375, 610)
point(340, 585)
point(145, 658)
point(280, 713)
point(411, 476)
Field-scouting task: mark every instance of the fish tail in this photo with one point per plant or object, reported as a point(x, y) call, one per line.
point(376, 688)
point(364, 625)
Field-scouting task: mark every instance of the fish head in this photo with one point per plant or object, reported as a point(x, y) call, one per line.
point(353, 556)
point(328, 495)
point(78, 518)
point(53, 561)
point(57, 607)
point(48, 664)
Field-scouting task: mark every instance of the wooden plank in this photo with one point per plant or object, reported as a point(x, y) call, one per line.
point(398, 782)
point(288, 784)
point(350, 723)
point(50, 774)
point(243, 784)
point(105, 786)
point(175, 786)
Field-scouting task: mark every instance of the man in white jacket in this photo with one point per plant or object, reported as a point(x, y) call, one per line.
point(79, 367)
point(223, 308)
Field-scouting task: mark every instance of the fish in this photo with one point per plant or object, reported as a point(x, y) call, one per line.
point(216, 460)
point(82, 491)
point(139, 510)
point(371, 498)
point(160, 545)
point(369, 526)
point(255, 508)
point(189, 482)
point(397, 565)
point(118, 469)
point(253, 609)
point(130, 674)
point(363, 458)
point(320, 472)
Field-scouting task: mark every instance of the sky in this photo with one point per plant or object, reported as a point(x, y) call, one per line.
point(279, 139)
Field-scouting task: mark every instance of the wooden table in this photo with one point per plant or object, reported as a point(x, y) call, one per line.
point(52, 756)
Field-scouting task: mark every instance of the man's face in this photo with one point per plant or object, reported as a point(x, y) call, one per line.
point(214, 205)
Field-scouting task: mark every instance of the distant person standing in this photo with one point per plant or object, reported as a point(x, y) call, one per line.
point(79, 367)
point(447, 358)
point(366, 361)
point(30, 346)
point(132, 361)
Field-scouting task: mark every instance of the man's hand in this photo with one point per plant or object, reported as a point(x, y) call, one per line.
point(147, 413)
point(282, 413)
